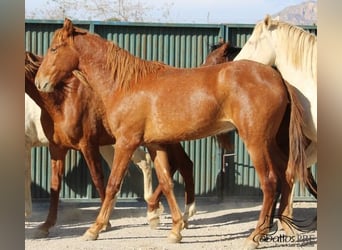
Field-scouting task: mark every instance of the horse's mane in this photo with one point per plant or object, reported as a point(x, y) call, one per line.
point(32, 63)
point(126, 69)
point(299, 46)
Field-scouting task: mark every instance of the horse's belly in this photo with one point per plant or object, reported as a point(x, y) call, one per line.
point(185, 130)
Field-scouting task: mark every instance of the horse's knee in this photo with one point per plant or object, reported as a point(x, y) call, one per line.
point(167, 186)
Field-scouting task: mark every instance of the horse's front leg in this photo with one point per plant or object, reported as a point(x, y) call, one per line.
point(123, 153)
point(57, 172)
point(179, 159)
point(92, 156)
point(165, 181)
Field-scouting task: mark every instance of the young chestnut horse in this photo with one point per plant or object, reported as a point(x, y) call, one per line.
point(150, 103)
point(223, 52)
point(35, 137)
point(294, 52)
point(72, 117)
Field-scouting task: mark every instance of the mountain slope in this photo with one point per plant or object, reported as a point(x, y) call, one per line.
point(301, 14)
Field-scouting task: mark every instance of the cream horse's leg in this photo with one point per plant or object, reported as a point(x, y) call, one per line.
point(28, 201)
point(140, 158)
point(143, 160)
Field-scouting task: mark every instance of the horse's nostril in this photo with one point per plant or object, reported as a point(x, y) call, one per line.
point(45, 85)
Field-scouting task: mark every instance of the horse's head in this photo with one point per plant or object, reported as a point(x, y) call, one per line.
point(32, 63)
point(61, 59)
point(220, 53)
point(260, 46)
point(217, 54)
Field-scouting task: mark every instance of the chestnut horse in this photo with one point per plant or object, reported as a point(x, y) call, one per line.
point(224, 52)
point(150, 103)
point(35, 137)
point(220, 53)
point(72, 118)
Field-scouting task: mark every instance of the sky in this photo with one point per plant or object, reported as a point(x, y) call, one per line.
point(204, 11)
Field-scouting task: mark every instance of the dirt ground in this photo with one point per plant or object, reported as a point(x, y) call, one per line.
point(216, 225)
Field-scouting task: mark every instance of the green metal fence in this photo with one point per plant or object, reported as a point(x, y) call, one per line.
point(216, 173)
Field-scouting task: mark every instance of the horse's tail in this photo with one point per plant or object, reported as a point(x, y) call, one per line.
point(296, 168)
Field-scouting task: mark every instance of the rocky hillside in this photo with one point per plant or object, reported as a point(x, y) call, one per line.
point(301, 14)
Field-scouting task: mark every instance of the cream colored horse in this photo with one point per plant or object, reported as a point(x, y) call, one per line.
point(294, 52)
point(35, 137)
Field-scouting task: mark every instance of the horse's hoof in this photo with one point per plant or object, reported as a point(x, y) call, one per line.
point(154, 222)
point(174, 238)
point(191, 209)
point(250, 245)
point(106, 227)
point(153, 217)
point(40, 233)
point(88, 235)
point(185, 225)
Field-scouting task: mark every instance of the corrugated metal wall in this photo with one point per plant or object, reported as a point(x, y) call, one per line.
point(180, 45)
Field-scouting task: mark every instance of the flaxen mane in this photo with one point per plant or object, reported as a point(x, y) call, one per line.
point(299, 46)
point(127, 69)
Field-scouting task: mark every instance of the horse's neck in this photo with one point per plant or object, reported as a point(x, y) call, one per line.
point(296, 76)
point(96, 72)
point(46, 101)
point(306, 67)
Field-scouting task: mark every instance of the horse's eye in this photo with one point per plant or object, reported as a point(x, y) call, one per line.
point(53, 50)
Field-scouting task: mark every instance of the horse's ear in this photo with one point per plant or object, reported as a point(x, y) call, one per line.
point(227, 44)
point(268, 21)
point(68, 27)
point(277, 18)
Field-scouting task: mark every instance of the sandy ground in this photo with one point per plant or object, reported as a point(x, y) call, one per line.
point(216, 225)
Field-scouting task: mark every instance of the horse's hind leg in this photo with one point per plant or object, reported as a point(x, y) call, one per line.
point(57, 171)
point(264, 159)
point(154, 207)
point(286, 202)
point(178, 158)
point(164, 177)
